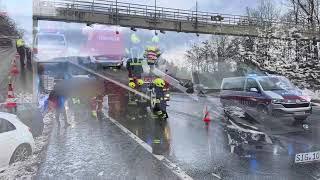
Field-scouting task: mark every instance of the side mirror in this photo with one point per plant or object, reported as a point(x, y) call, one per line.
point(254, 90)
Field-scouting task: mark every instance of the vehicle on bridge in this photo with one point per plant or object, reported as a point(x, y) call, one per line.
point(273, 95)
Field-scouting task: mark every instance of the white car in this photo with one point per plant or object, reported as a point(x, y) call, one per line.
point(16, 140)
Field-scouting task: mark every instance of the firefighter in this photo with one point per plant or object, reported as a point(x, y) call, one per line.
point(96, 106)
point(21, 50)
point(99, 100)
point(134, 67)
point(152, 53)
point(160, 108)
point(132, 84)
point(140, 82)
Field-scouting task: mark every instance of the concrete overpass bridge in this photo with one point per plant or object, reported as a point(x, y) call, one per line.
point(165, 19)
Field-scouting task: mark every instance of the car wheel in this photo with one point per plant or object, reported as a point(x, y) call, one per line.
point(299, 120)
point(262, 109)
point(21, 153)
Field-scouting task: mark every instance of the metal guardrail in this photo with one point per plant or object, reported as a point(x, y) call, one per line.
point(47, 7)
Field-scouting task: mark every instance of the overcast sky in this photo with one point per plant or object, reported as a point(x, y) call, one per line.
point(176, 43)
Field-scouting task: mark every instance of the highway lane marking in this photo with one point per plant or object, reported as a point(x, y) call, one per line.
point(215, 175)
point(132, 135)
point(173, 167)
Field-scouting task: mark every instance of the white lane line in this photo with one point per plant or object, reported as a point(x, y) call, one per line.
point(133, 136)
point(215, 175)
point(174, 168)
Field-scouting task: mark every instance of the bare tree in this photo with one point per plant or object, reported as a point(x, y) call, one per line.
point(194, 57)
point(264, 14)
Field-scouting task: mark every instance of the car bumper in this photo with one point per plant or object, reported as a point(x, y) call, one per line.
point(296, 112)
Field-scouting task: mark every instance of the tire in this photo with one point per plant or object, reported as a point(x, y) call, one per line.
point(262, 109)
point(300, 119)
point(20, 153)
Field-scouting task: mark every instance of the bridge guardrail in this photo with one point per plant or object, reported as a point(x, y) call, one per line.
point(152, 12)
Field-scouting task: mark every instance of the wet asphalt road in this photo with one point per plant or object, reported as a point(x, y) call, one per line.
point(217, 151)
point(201, 150)
point(97, 149)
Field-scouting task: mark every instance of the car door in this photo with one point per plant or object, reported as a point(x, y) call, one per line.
point(252, 97)
point(8, 141)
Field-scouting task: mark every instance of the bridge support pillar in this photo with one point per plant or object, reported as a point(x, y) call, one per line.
point(34, 63)
point(35, 23)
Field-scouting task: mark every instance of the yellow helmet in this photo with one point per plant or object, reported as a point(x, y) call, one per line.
point(151, 48)
point(140, 82)
point(159, 82)
point(132, 84)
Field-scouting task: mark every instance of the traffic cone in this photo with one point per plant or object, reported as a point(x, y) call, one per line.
point(14, 69)
point(206, 117)
point(10, 102)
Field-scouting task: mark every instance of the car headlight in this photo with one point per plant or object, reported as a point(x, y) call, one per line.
point(277, 101)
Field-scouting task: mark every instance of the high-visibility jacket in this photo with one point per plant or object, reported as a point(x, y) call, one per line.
point(135, 66)
point(152, 53)
point(20, 43)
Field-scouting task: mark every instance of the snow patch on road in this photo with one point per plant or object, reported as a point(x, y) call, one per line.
point(23, 97)
point(28, 168)
point(235, 111)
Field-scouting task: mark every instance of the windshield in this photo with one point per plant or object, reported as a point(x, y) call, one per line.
point(51, 40)
point(160, 89)
point(275, 83)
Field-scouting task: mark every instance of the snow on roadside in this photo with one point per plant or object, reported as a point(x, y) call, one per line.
point(235, 111)
point(28, 169)
point(24, 97)
point(315, 95)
